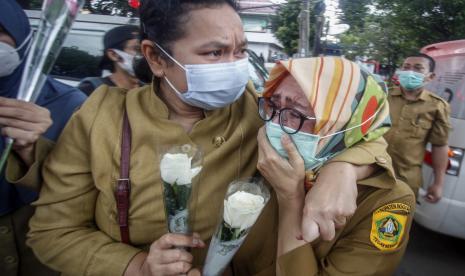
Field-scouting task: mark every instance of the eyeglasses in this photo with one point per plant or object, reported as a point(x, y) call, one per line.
point(290, 120)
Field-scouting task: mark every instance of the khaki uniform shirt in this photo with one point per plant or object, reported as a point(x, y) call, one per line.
point(414, 124)
point(74, 229)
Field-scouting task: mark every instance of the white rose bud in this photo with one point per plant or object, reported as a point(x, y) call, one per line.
point(242, 209)
point(177, 168)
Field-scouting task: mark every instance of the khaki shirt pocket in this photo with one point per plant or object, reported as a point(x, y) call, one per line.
point(420, 127)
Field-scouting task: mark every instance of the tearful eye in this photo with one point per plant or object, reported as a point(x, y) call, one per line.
point(294, 115)
point(216, 53)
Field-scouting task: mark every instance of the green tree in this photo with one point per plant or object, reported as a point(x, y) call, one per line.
point(285, 24)
point(390, 30)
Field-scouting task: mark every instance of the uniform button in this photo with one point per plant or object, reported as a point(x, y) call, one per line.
point(4, 230)
point(380, 160)
point(9, 259)
point(218, 141)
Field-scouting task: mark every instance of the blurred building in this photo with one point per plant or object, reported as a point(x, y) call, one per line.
point(256, 16)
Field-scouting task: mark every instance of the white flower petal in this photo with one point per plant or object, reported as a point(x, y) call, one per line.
point(177, 168)
point(242, 209)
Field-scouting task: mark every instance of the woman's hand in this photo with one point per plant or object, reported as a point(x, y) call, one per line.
point(330, 201)
point(166, 257)
point(286, 177)
point(24, 122)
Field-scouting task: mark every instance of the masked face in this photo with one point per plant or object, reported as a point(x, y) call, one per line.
point(295, 113)
point(127, 61)
point(411, 80)
point(9, 55)
point(289, 111)
point(207, 67)
point(212, 86)
point(415, 73)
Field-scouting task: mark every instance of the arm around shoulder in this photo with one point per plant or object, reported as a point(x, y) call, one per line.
point(372, 243)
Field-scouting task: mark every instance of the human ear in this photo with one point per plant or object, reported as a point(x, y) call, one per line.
point(430, 76)
point(112, 55)
point(156, 62)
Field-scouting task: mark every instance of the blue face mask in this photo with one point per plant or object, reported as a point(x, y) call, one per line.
point(305, 143)
point(410, 80)
point(212, 86)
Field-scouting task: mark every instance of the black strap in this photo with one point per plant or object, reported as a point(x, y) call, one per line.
point(124, 184)
point(94, 81)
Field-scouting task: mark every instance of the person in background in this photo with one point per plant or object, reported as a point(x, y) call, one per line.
point(24, 122)
point(121, 46)
point(418, 117)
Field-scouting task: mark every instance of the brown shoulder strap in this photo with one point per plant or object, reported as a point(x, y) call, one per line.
point(124, 184)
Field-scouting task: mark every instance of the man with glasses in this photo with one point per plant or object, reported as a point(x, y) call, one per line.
point(418, 117)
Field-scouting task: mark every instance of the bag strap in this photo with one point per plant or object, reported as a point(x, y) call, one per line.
point(124, 184)
point(94, 81)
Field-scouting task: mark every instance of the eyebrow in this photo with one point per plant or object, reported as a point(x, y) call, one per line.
point(219, 44)
point(296, 103)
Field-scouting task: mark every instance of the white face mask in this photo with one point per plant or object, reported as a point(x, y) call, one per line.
point(212, 86)
point(128, 62)
point(9, 56)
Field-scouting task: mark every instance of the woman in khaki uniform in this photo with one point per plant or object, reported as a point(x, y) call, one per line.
point(327, 105)
point(75, 229)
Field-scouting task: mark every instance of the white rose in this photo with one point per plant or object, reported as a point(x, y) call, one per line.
point(242, 209)
point(177, 168)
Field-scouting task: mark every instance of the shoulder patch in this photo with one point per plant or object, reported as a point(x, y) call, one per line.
point(388, 225)
point(438, 98)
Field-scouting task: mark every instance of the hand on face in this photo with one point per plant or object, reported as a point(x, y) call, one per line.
point(24, 122)
point(286, 176)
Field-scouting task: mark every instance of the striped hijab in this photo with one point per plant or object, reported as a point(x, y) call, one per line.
point(343, 95)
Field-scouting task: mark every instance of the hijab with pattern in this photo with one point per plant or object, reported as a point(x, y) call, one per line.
point(346, 99)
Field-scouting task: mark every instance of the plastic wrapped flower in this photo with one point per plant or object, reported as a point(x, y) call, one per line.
point(177, 172)
point(243, 204)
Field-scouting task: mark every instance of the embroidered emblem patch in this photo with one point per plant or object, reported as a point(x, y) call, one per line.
point(388, 225)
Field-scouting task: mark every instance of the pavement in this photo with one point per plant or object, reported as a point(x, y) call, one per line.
point(430, 253)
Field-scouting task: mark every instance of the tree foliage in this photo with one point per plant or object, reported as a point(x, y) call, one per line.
point(390, 30)
point(285, 24)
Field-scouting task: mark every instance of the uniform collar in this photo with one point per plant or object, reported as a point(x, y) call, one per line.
point(397, 92)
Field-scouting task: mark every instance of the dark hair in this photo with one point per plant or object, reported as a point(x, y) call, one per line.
point(432, 63)
point(162, 21)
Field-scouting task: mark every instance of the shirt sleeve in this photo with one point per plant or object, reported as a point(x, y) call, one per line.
point(439, 135)
point(18, 173)
point(353, 254)
point(367, 153)
point(63, 233)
